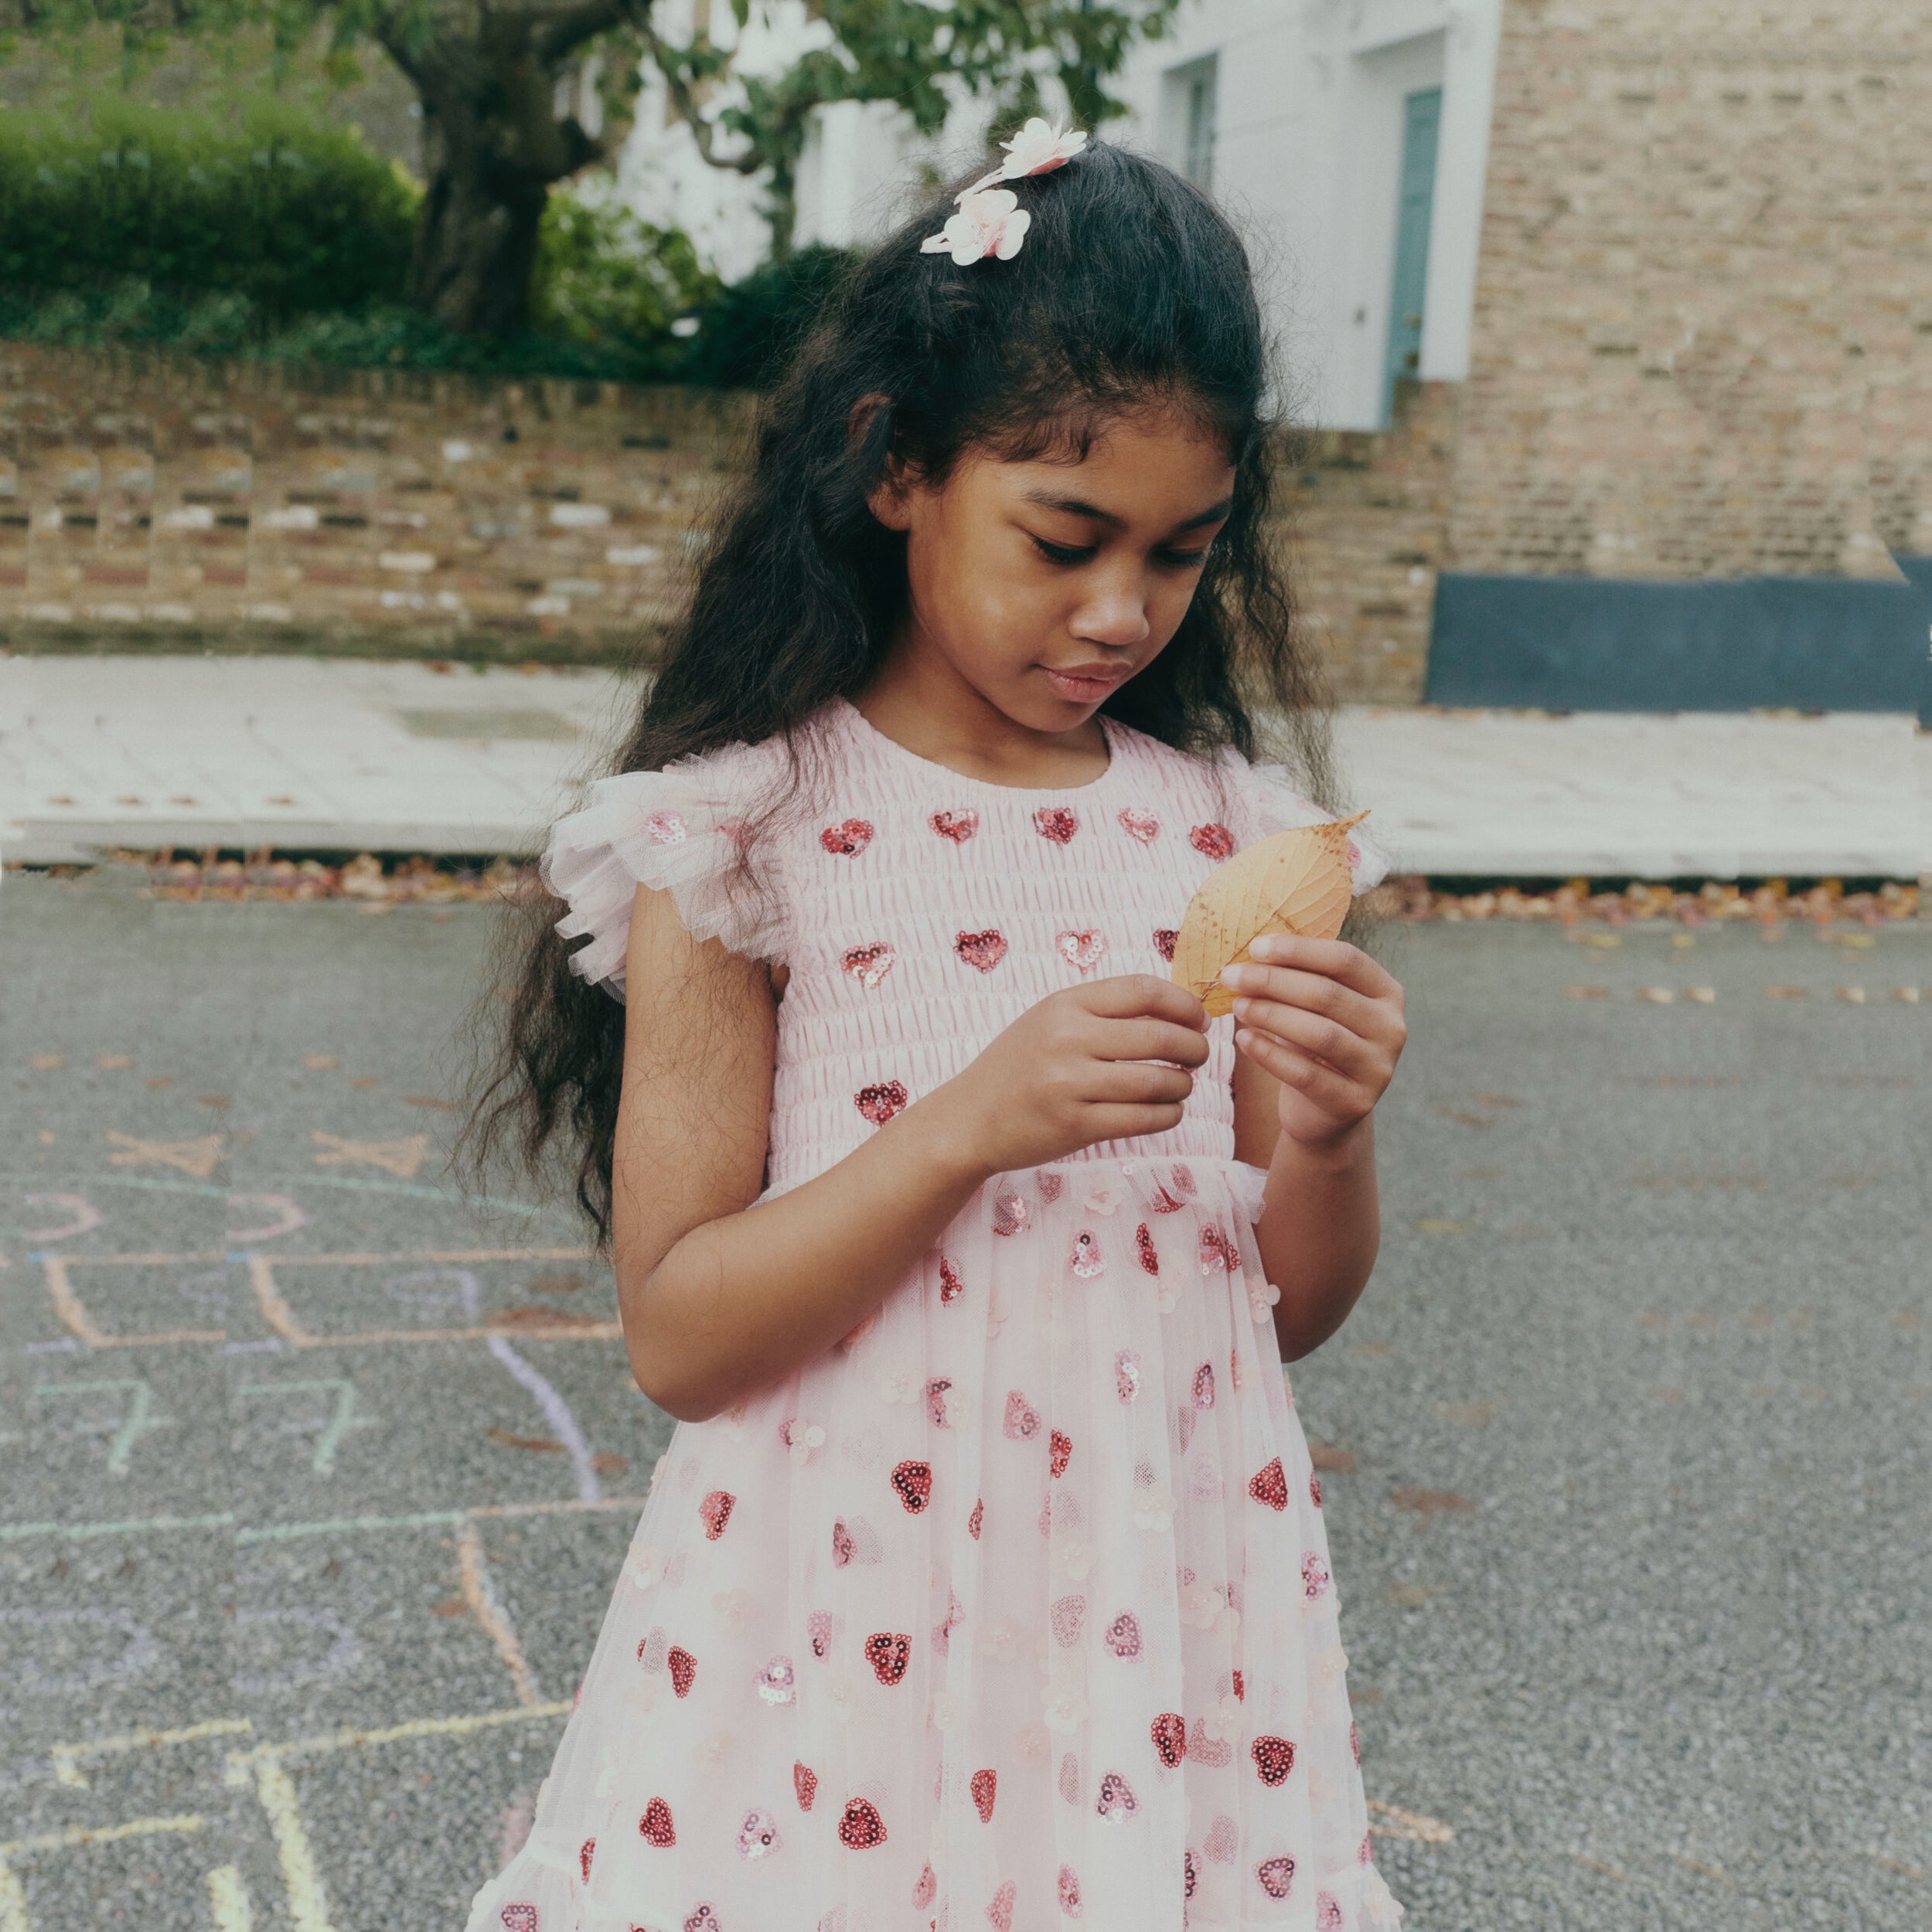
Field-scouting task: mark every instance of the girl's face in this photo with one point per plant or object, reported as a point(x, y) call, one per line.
point(1044, 586)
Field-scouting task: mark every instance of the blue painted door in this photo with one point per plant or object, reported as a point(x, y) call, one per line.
point(1422, 118)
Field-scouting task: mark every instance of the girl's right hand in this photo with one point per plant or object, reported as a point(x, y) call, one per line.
point(1082, 1066)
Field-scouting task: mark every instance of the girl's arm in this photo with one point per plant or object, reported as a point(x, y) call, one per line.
point(1320, 1026)
point(717, 1297)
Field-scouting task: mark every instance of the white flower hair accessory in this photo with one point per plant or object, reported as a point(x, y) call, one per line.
point(989, 220)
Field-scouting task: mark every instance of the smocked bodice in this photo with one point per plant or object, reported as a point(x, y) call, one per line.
point(919, 912)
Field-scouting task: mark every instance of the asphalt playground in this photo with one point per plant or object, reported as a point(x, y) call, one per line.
point(316, 1477)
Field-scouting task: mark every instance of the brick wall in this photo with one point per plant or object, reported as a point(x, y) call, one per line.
point(1703, 332)
point(157, 502)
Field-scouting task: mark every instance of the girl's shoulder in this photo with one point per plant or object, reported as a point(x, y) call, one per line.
point(684, 828)
point(1249, 800)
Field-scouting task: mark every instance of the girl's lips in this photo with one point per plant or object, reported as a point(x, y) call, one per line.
point(1084, 688)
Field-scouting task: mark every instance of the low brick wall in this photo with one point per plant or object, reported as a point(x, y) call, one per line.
point(154, 501)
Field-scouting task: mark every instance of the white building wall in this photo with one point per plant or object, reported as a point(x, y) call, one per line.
point(1307, 150)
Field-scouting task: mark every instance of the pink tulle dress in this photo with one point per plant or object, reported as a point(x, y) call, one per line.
point(1014, 1609)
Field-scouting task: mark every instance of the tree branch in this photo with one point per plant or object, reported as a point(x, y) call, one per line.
point(558, 37)
point(703, 131)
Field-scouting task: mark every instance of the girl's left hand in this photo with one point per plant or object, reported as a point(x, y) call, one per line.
point(1326, 1022)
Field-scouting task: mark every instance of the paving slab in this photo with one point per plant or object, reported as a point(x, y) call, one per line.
point(320, 754)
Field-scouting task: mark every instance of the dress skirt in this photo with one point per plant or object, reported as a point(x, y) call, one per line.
point(1014, 1610)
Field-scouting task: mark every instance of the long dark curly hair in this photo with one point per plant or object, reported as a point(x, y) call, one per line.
point(1131, 289)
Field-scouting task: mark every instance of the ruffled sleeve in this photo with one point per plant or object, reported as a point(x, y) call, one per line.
point(678, 830)
point(1269, 803)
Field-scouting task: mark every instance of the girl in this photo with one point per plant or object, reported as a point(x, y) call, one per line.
point(984, 1581)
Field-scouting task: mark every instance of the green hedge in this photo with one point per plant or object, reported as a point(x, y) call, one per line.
point(274, 206)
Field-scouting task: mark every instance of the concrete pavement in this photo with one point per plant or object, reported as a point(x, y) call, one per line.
point(316, 754)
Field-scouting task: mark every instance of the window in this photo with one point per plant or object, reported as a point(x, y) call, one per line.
point(1190, 92)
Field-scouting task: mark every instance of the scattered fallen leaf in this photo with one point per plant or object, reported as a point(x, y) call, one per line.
point(1410, 1596)
point(1654, 1318)
point(367, 1080)
point(47, 1062)
point(1854, 995)
point(1609, 1871)
point(1703, 995)
point(1443, 1227)
point(1706, 1871)
point(606, 1462)
point(1603, 941)
point(1859, 942)
point(320, 1062)
point(219, 1101)
point(1326, 1456)
point(1467, 1414)
point(1909, 994)
point(558, 1284)
point(542, 1443)
point(1787, 992)
point(1431, 1502)
point(114, 1062)
point(1392, 1821)
point(533, 1316)
point(450, 1607)
point(162, 1080)
point(1464, 1118)
point(429, 1100)
point(1657, 996)
point(1586, 993)
point(1892, 1864)
point(1683, 941)
point(1374, 1351)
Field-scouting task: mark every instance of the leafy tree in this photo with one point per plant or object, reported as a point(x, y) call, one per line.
point(498, 84)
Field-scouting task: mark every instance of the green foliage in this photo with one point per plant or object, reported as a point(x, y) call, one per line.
point(610, 283)
point(745, 333)
point(274, 206)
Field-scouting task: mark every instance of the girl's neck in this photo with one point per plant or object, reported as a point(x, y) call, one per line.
point(920, 702)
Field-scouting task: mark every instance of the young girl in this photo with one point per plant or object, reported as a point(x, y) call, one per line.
point(984, 1579)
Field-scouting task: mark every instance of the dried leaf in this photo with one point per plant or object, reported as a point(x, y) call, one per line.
point(1295, 882)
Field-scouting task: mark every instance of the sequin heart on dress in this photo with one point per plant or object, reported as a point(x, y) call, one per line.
point(861, 1827)
point(1144, 1248)
point(1184, 1425)
point(703, 1919)
point(1070, 1892)
point(1117, 1800)
point(1126, 1374)
point(1204, 1386)
point(984, 1786)
point(1276, 1876)
point(926, 1889)
point(913, 1482)
point(1314, 1574)
point(1214, 842)
point(1274, 1759)
point(650, 1653)
point(1327, 1912)
point(888, 1652)
point(1165, 940)
point(951, 1287)
point(847, 840)
point(1069, 1778)
point(1216, 1251)
point(977, 1521)
point(1122, 1635)
point(1139, 825)
point(805, 1782)
point(1067, 1617)
point(715, 1511)
point(819, 1627)
point(881, 1101)
point(1082, 947)
point(1022, 1422)
point(758, 1835)
point(1051, 1184)
point(684, 1668)
point(982, 951)
point(519, 1917)
point(1223, 1841)
point(1086, 1261)
point(1270, 1486)
point(1169, 1731)
point(665, 828)
point(1059, 1452)
point(999, 1913)
point(585, 1852)
point(1057, 823)
point(655, 1824)
point(1212, 1752)
point(1010, 1214)
point(778, 1682)
point(1314, 1489)
point(958, 827)
point(869, 964)
point(935, 1394)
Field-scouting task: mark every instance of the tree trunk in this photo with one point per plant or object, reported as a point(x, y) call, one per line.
point(492, 146)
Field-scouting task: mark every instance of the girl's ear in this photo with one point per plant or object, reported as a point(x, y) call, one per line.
point(887, 499)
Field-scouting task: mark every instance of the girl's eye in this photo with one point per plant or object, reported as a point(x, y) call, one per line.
point(1063, 553)
point(1185, 560)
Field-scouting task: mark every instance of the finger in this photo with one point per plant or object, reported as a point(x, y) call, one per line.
point(1318, 1037)
point(1137, 1082)
point(1336, 958)
point(1317, 993)
point(1326, 1090)
point(1132, 995)
point(1142, 1039)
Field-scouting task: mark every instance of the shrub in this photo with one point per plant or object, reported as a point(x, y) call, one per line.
point(745, 332)
point(273, 205)
point(614, 285)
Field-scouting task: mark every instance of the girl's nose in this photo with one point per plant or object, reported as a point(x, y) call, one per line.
point(1115, 614)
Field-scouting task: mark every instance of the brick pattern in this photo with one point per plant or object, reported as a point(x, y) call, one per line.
point(155, 499)
point(1703, 331)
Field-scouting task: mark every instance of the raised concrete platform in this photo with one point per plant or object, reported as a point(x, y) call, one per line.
point(324, 755)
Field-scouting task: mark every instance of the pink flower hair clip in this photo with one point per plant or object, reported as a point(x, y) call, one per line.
point(989, 220)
